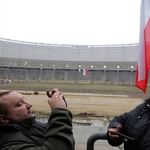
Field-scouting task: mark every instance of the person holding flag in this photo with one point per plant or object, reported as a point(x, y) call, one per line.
point(133, 128)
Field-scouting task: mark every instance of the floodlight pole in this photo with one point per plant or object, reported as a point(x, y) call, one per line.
point(104, 75)
point(40, 72)
point(26, 63)
point(131, 80)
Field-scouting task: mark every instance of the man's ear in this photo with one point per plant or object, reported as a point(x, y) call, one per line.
point(3, 119)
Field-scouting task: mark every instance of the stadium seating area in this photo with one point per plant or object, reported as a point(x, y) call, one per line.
point(20, 60)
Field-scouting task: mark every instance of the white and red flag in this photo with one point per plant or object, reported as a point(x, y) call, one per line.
point(143, 65)
point(85, 71)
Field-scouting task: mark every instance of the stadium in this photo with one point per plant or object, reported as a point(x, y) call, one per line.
point(21, 60)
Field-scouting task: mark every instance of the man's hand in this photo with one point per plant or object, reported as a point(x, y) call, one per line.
point(112, 134)
point(50, 93)
point(56, 99)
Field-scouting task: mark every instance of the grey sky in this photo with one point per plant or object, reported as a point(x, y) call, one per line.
point(94, 22)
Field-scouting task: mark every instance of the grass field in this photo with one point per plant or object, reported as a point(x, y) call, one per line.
point(120, 89)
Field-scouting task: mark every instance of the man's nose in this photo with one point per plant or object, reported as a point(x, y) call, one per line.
point(28, 105)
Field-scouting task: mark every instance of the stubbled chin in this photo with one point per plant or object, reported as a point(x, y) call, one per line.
point(31, 113)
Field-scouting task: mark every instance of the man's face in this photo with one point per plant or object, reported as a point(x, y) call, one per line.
point(17, 108)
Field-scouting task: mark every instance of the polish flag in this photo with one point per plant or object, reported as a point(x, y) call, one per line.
point(143, 65)
point(85, 71)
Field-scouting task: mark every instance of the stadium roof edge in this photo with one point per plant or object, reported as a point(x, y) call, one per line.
point(67, 45)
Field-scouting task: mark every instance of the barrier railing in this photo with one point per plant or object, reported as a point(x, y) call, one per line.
point(94, 137)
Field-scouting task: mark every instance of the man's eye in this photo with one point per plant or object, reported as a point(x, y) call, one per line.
point(19, 104)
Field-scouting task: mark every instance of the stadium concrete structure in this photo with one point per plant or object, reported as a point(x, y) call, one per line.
point(21, 60)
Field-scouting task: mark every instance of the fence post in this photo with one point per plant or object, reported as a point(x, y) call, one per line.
point(94, 137)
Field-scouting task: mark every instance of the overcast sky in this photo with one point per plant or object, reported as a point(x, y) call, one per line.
point(84, 22)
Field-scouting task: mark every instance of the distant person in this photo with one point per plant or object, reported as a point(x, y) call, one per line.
point(20, 131)
point(135, 124)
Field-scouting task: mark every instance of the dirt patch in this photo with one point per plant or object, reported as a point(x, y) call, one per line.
point(85, 105)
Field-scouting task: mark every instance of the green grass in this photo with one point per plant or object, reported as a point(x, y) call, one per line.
point(76, 87)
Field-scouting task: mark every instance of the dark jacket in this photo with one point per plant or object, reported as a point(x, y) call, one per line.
point(32, 135)
point(135, 124)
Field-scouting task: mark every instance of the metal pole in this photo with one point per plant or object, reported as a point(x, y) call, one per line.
point(94, 137)
point(40, 72)
point(26, 63)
